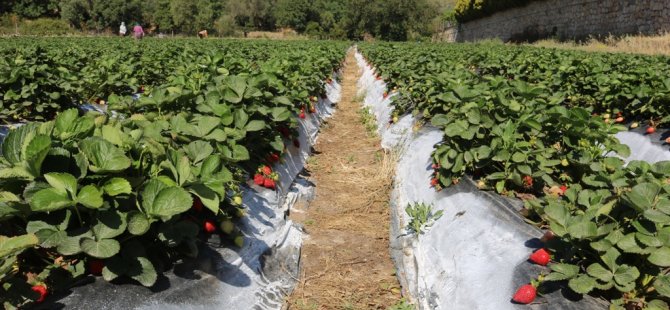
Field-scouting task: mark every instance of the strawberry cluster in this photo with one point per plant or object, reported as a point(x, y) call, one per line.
point(527, 293)
point(266, 177)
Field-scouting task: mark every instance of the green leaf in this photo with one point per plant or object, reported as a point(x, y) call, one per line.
point(51, 238)
point(629, 244)
point(599, 272)
point(15, 245)
point(626, 274)
point(280, 114)
point(657, 304)
point(159, 200)
point(582, 229)
point(90, 196)
point(208, 197)
point(71, 245)
point(50, 199)
point(610, 257)
point(104, 248)
point(198, 150)
point(660, 257)
point(519, 158)
point(255, 125)
point(109, 224)
point(146, 275)
point(64, 183)
point(114, 268)
point(643, 195)
point(103, 155)
point(117, 186)
point(563, 271)
point(15, 142)
point(36, 151)
point(112, 134)
point(240, 153)
point(64, 122)
point(661, 168)
point(662, 285)
point(582, 284)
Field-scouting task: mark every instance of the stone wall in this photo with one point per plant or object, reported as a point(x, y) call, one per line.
point(570, 19)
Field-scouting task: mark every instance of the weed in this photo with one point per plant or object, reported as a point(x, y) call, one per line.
point(422, 217)
point(402, 305)
point(368, 121)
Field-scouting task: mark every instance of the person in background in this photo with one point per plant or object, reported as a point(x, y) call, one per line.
point(138, 31)
point(122, 29)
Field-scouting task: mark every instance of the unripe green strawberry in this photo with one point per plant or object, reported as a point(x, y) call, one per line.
point(239, 241)
point(237, 200)
point(227, 227)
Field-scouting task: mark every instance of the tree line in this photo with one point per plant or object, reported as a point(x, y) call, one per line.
point(395, 20)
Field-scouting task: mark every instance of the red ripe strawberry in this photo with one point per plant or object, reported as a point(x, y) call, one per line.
point(95, 267)
point(619, 119)
point(525, 294)
point(259, 179)
point(42, 290)
point(434, 182)
point(563, 188)
point(296, 143)
point(197, 204)
point(650, 130)
point(266, 170)
point(269, 183)
point(528, 181)
point(209, 227)
point(272, 158)
point(386, 94)
point(302, 114)
point(284, 131)
point(540, 257)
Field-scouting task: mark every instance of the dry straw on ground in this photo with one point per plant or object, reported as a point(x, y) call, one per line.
point(345, 258)
point(649, 45)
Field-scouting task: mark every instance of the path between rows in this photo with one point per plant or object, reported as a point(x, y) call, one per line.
point(345, 260)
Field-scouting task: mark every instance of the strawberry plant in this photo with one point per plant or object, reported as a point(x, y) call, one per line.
point(125, 193)
point(539, 124)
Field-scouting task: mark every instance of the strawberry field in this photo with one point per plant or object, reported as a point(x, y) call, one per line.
point(539, 125)
point(121, 157)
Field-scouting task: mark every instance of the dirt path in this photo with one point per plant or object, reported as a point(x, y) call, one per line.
point(345, 258)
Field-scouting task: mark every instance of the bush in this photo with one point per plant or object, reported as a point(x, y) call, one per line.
point(36, 27)
point(468, 10)
point(45, 27)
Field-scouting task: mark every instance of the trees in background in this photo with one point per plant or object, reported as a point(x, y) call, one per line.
point(334, 19)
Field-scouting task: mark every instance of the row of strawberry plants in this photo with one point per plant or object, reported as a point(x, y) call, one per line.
point(127, 195)
point(523, 135)
point(39, 77)
point(633, 86)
